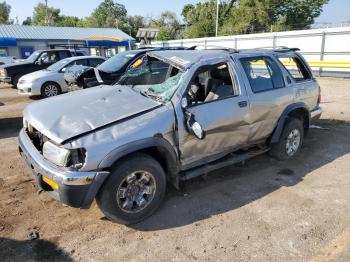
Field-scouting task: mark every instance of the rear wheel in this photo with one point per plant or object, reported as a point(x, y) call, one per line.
point(290, 141)
point(134, 190)
point(50, 89)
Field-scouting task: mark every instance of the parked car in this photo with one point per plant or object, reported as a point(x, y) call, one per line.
point(41, 59)
point(7, 60)
point(175, 116)
point(110, 71)
point(50, 82)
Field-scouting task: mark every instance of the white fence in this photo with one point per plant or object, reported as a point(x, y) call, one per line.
point(331, 44)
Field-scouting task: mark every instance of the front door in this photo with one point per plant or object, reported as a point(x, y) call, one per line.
point(221, 108)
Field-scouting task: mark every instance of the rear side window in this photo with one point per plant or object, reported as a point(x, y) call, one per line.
point(81, 62)
point(263, 74)
point(63, 54)
point(296, 68)
point(95, 62)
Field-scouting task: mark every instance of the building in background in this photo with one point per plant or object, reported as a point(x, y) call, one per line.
point(20, 41)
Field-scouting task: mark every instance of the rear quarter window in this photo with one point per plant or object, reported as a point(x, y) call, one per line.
point(296, 68)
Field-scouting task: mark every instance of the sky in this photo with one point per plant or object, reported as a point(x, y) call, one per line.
point(336, 11)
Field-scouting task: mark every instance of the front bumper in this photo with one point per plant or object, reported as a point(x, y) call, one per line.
point(315, 114)
point(28, 89)
point(76, 189)
point(5, 79)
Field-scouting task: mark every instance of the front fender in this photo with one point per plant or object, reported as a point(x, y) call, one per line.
point(166, 148)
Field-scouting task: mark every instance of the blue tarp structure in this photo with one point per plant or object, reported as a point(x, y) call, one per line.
point(8, 41)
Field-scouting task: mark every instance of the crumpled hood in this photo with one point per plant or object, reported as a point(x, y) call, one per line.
point(66, 116)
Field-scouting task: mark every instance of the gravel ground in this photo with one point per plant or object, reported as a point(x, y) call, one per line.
point(264, 210)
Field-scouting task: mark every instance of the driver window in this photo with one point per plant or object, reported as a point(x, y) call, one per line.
point(43, 57)
point(49, 57)
point(211, 84)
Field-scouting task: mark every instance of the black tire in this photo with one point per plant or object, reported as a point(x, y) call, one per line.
point(50, 89)
point(15, 81)
point(110, 203)
point(279, 150)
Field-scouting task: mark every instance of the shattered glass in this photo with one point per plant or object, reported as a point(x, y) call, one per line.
point(150, 79)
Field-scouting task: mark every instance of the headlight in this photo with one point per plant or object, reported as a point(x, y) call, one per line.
point(25, 123)
point(56, 154)
point(64, 157)
point(3, 72)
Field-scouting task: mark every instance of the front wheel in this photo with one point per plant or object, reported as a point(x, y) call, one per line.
point(134, 190)
point(50, 89)
point(290, 141)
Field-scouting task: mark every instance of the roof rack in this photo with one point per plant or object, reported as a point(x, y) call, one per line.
point(281, 49)
point(218, 48)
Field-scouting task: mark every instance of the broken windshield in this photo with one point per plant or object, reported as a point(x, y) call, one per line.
point(153, 78)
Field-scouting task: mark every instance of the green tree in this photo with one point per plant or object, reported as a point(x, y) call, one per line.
point(110, 14)
point(87, 22)
point(296, 14)
point(134, 23)
point(250, 16)
point(5, 10)
point(68, 21)
point(168, 25)
point(28, 21)
point(200, 18)
point(41, 16)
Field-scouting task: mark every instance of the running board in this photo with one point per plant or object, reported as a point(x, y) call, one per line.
point(228, 160)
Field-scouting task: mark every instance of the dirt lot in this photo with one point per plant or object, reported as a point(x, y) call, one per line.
point(261, 211)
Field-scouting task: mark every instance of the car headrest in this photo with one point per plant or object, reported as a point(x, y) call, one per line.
point(222, 74)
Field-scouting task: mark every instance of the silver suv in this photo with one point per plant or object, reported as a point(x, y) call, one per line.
point(173, 116)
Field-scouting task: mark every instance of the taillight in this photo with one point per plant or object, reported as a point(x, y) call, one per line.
point(319, 95)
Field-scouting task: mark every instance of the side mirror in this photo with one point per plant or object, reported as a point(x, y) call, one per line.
point(63, 69)
point(184, 103)
point(39, 62)
point(194, 127)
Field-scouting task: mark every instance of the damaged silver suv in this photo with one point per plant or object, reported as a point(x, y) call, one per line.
point(173, 116)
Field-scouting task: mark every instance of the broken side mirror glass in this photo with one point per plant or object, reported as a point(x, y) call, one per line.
point(194, 127)
point(184, 102)
point(137, 63)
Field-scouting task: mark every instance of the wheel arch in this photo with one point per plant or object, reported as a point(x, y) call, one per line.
point(296, 110)
point(156, 147)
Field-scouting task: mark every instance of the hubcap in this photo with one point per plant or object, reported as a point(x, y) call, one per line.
point(51, 90)
point(293, 142)
point(136, 191)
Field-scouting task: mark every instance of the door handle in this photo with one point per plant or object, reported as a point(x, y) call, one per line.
point(243, 104)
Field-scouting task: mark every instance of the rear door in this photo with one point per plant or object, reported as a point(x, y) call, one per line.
point(268, 94)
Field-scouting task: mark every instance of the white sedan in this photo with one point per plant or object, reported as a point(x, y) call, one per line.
point(50, 82)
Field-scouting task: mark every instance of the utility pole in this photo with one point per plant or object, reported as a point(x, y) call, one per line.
point(46, 14)
point(217, 17)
